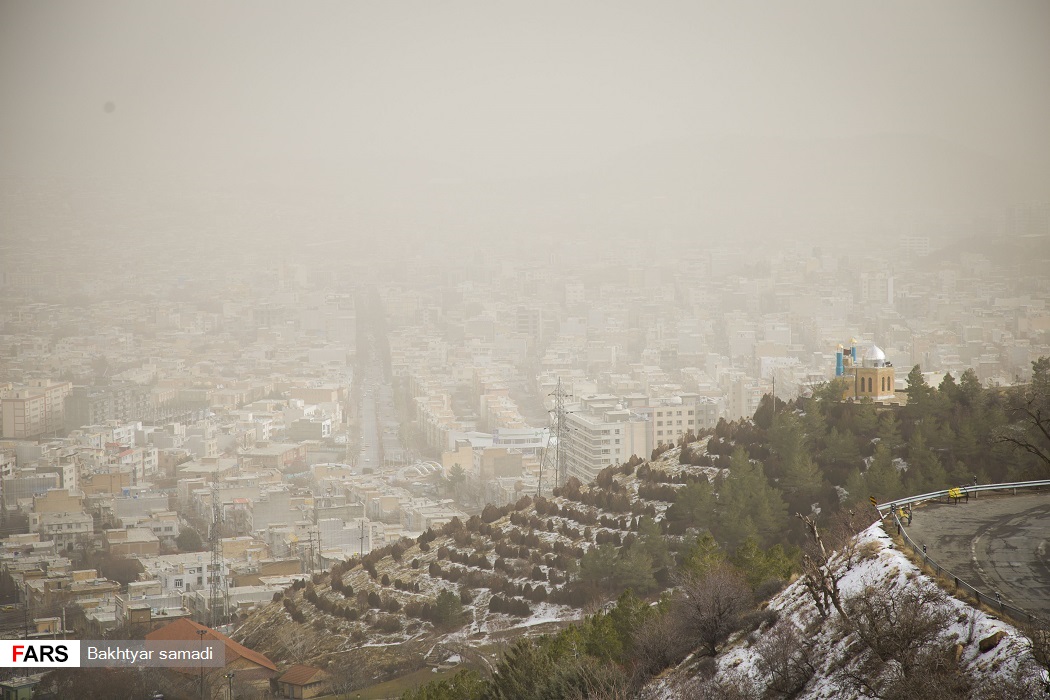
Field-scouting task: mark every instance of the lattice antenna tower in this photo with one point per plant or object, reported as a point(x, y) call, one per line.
point(215, 567)
point(554, 457)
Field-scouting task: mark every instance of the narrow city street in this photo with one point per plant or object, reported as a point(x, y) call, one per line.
point(380, 443)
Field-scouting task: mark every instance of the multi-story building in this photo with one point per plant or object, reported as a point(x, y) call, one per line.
point(310, 429)
point(8, 462)
point(672, 418)
point(66, 529)
point(143, 601)
point(180, 573)
point(35, 410)
point(601, 431)
point(55, 590)
point(133, 541)
point(25, 485)
point(275, 455)
point(527, 440)
point(744, 395)
point(162, 523)
point(119, 401)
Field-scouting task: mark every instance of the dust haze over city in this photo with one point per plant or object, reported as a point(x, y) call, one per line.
point(319, 282)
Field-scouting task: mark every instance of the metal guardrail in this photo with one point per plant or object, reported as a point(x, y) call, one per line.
point(943, 493)
point(995, 599)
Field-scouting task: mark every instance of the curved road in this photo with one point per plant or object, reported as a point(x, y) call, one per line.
point(995, 543)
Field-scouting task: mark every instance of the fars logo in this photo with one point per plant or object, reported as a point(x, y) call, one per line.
point(22, 653)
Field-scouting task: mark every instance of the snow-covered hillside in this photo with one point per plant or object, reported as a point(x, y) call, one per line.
point(797, 654)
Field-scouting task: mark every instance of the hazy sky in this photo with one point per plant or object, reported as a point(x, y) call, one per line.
point(503, 90)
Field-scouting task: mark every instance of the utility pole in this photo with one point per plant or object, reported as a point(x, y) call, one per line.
point(315, 554)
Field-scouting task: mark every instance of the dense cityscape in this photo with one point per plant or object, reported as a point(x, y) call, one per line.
point(575, 352)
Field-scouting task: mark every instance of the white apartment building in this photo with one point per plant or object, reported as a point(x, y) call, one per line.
point(601, 431)
point(182, 573)
point(673, 417)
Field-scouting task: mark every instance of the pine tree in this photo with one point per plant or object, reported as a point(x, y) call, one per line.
point(448, 610)
point(865, 419)
point(919, 394)
point(882, 479)
point(965, 445)
point(703, 555)
point(787, 440)
point(803, 480)
point(814, 423)
point(652, 542)
point(948, 389)
point(970, 389)
point(840, 450)
point(634, 571)
point(748, 505)
point(693, 505)
point(889, 431)
point(925, 471)
point(760, 566)
point(857, 489)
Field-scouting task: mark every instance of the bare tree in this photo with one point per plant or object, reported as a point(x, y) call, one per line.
point(1020, 683)
point(1031, 411)
point(820, 575)
point(1039, 634)
point(786, 658)
point(615, 684)
point(900, 648)
point(341, 679)
point(709, 606)
point(297, 647)
point(726, 685)
point(894, 624)
point(658, 644)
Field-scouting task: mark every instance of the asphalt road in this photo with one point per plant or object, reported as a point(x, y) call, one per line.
point(995, 543)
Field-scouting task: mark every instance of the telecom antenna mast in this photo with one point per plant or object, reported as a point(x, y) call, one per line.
point(215, 567)
point(553, 455)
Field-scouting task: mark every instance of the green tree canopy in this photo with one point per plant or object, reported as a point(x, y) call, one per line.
point(747, 504)
point(882, 479)
point(189, 540)
point(693, 505)
point(919, 393)
point(652, 541)
point(760, 565)
point(702, 555)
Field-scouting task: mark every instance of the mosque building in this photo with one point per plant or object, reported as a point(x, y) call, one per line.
point(867, 372)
